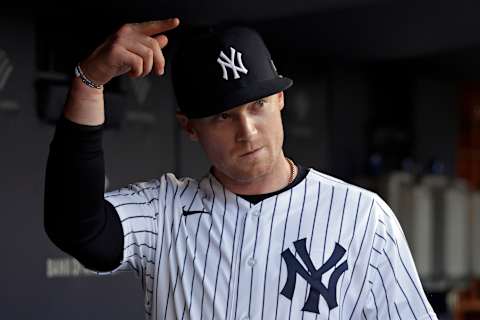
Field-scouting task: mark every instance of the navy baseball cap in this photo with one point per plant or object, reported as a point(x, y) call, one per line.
point(222, 69)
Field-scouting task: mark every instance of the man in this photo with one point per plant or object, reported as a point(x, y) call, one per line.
point(259, 236)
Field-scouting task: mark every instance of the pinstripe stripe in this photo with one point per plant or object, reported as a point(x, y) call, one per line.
point(326, 177)
point(130, 193)
point(283, 245)
point(349, 244)
point(340, 234)
point(311, 235)
point(170, 249)
point(398, 313)
point(413, 282)
point(183, 270)
point(208, 248)
point(268, 254)
point(325, 240)
point(141, 257)
point(137, 217)
point(161, 245)
point(253, 256)
point(355, 222)
point(326, 227)
point(219, 250)
point(233, 253)
point(343, 214)
point(147, 275)
point(193, 264)
point(137, 203)
point(363, 282)
point(240, 263)
point(140, 231)
point(184, 189)
point(363, 314)
point(358, 255)
point(398, 283)
point(132, 266)
point(375, 303)
point(401, 260)
point(391, 237)
point(298, 236)
point(380, 236)
point(384, 289)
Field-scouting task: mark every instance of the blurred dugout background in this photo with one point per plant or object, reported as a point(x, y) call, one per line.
point(386, 95)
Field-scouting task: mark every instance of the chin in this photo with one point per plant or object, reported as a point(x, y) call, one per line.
point(251, 171)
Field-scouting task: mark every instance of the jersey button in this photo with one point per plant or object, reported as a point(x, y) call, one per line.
point(256, 213)
point(251, 262)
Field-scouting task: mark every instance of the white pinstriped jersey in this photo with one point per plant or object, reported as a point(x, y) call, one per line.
point(323, 249)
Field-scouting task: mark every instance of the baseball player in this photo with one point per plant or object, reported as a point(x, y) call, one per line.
point(259, 236)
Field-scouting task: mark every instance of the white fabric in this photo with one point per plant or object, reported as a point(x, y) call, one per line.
point(225, 261)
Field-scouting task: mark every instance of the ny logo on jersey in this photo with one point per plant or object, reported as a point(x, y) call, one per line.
point(313, 276)
point(226, 62)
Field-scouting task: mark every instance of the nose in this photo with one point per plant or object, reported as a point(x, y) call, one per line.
point(246, 128)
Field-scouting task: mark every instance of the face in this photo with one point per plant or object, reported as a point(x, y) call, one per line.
point(243, 143)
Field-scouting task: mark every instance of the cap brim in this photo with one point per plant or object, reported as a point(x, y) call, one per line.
point(244, 95)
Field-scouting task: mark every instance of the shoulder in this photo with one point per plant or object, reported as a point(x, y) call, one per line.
point(167, 183)
point(367, 199)
point(325, 179)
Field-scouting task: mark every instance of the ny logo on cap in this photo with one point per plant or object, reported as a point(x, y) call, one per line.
point(225, 62)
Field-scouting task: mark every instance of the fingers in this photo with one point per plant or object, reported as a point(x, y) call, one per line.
point(137, 40)
point(149, 50)
point(150, 28)
point(130, 62)
point(156, 44)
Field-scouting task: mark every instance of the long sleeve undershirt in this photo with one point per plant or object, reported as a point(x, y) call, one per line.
point(77, 218)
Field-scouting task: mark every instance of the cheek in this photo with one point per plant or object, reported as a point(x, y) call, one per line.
point(215, 144)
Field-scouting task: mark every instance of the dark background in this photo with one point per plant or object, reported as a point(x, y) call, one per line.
point(376, 89)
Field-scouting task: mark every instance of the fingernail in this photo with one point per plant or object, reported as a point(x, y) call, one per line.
point(161, 72)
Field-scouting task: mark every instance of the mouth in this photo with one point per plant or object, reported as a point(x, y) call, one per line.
point(250, 153)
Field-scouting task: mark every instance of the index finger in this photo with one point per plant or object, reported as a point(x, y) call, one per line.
point(156, 26)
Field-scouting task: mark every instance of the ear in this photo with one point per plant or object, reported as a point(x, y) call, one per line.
point(187, 125)
point(281, 102)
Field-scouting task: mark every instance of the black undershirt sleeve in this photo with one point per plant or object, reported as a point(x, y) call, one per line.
point(77, 218)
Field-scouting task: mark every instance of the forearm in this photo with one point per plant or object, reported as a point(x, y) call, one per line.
point(84, 105)
point(77, 218)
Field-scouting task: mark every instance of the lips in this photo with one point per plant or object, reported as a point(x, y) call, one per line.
point(249, 153)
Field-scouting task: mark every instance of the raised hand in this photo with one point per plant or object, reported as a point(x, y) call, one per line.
point(136, 49)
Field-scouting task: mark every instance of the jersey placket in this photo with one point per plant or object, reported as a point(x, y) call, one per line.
point(244, 261)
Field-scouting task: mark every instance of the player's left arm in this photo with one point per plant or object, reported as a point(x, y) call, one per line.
point(396, 290)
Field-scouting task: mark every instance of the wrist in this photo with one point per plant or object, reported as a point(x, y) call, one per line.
point(87, 80)
point(79, 90)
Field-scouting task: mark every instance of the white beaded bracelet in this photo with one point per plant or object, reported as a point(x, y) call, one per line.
point(88, 82)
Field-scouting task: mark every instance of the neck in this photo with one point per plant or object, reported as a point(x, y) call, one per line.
point(274, 180)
